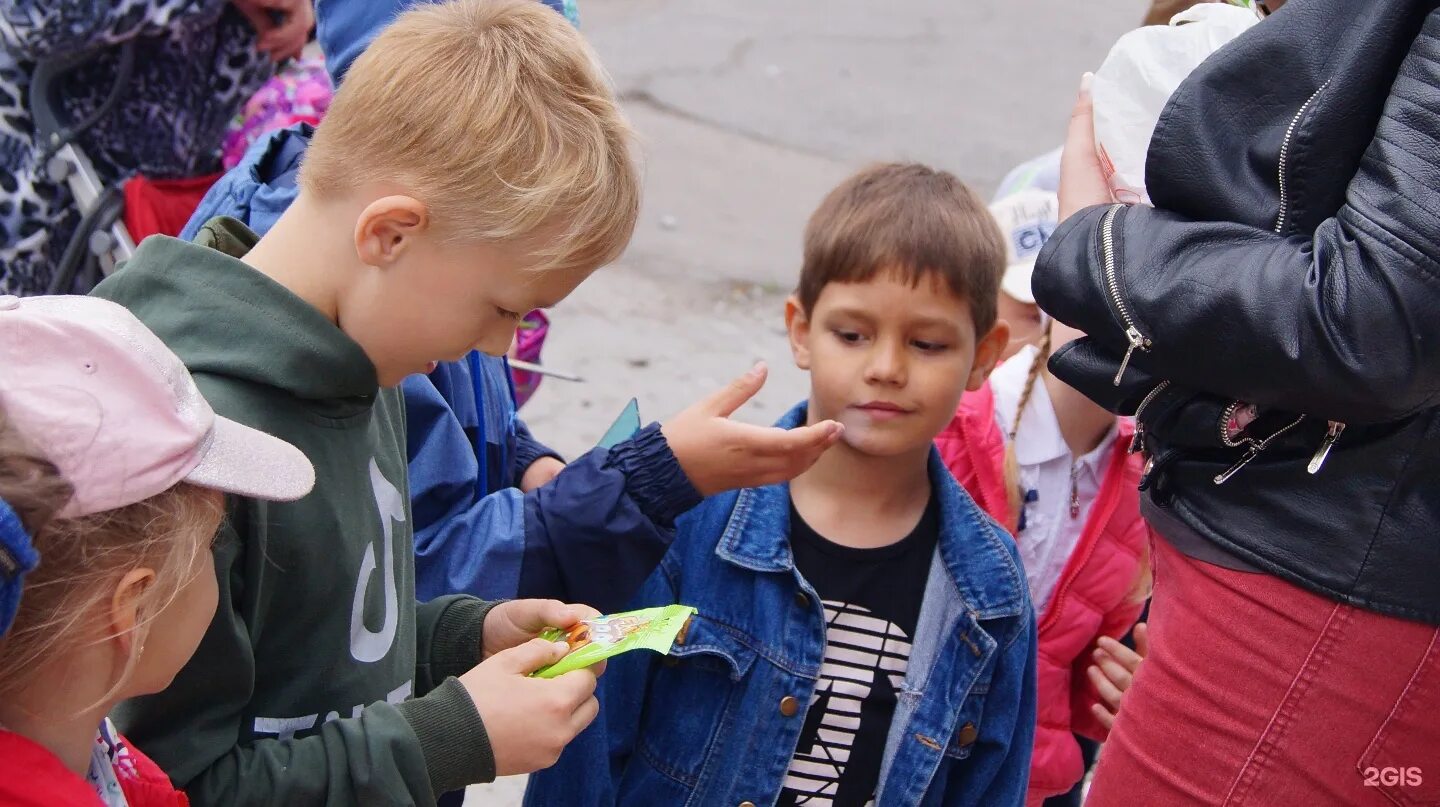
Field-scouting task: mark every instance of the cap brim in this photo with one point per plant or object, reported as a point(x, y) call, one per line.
point(248, 462)
point(1016, 281)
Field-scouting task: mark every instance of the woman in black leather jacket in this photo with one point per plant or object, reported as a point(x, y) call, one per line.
point(1274, 324)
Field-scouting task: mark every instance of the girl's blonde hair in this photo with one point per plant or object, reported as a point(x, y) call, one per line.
point(1013, 495)
point(81, 559)
point(496, 115)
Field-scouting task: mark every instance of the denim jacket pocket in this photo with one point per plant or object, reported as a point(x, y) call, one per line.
point(705, 671)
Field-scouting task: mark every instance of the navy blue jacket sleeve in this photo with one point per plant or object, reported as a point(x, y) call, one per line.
point(527, 451)
point(597, 531)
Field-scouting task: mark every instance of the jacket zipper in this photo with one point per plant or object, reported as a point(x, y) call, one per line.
point(1137, 441)
point(1285, 157)
point(1332, 433)
point(1225, 418)
point(1335, 427)
point(1138, 341)
point(1100, 513)
point(1254, 447)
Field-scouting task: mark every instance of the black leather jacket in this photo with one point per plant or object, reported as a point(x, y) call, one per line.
point(1292, 261)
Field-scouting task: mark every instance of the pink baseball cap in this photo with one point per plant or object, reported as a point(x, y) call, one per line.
point(117, 412)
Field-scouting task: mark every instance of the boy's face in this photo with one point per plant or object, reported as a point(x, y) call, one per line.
point(427, 300)
point(889, 360)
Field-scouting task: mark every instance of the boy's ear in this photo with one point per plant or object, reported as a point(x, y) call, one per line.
point(386, 227)
point(987, 354)
point(797, 325)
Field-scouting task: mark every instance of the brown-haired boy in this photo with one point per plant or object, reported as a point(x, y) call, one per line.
point(473, 166)
point(865, 633)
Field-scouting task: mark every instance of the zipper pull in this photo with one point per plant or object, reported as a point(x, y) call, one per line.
point(1323, 452)
point(1250, 453)
point(1137, 342)
point(1074, 490)
point(1137, 441)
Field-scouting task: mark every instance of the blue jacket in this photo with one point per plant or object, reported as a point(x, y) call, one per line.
point(702, 726)
point(592, 535)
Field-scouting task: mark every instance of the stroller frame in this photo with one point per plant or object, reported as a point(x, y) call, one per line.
point(100, 241)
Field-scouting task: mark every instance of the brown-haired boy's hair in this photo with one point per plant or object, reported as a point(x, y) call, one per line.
point(496, 115)
point(911, 219)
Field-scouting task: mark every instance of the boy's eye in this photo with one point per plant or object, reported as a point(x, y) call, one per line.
point(504, 312)
point(929, 347)
point(849, 337)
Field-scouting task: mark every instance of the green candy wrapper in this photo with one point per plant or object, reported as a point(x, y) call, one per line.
point(594, 640)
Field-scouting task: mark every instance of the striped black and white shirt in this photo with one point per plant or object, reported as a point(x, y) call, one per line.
point(872, 603)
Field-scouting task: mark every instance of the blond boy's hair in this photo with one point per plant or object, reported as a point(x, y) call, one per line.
point(496, 115)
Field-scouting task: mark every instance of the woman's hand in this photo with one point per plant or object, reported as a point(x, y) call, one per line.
point(1082, 178)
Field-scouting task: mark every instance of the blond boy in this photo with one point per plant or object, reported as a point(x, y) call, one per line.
point(473, 166)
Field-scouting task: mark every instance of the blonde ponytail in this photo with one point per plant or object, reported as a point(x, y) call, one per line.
point(1013, 495)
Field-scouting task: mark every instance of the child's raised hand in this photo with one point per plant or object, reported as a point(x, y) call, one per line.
point(719, 454)
point(516, 622)
point(530, 720)
point(1114, 671)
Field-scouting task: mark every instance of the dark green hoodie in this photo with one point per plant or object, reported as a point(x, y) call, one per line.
point(320, 680)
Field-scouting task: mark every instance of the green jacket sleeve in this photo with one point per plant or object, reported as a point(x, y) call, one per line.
point(388, 754)
point(448, 632)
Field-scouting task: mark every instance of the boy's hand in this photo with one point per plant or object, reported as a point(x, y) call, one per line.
point(516, 622)
point(1082, 179)
point(530, 720)
point(539, 473)
point(1114, 671)
point(719, 454)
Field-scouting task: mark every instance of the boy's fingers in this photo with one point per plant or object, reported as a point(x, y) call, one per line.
point(531, 656)
point(734, 395)
point(576, 612)
point(557, 614)
point(801, 442)
point(578, 685)
point(1142, 639)
point(585, 715)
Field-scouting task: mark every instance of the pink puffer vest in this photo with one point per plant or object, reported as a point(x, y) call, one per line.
point(1093, 597)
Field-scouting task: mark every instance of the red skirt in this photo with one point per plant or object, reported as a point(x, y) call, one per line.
point(1257, 692)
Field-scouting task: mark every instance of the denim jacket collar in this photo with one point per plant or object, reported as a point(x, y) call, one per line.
point(972, 546)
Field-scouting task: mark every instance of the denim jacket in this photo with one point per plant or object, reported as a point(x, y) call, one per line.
point(704, 725)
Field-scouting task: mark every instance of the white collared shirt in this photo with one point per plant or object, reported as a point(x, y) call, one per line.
point(1057, 488)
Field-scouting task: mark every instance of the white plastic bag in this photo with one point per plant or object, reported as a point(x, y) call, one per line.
point(1145, 66)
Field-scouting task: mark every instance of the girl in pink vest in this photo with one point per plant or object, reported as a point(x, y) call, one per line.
point(1055, 468)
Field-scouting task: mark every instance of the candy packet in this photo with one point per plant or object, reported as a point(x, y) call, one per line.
point(594, 640)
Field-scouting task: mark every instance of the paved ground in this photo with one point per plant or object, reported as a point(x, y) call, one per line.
point(748, 113)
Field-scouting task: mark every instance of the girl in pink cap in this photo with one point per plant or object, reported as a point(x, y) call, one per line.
point(112, 475)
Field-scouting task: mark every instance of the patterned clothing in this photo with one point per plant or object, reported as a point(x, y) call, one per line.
point(195, 68)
